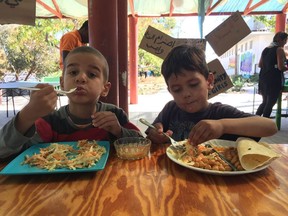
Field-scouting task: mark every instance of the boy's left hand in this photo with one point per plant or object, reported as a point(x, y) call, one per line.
point(107, 121)
point(205, 130)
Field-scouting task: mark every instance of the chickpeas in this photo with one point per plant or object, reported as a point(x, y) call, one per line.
point(212, 161)
point(207, 166)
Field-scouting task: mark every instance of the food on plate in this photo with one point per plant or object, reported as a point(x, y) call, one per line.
point(253, 154)
point(203, 156)
point(56, 156)
point(244, 154)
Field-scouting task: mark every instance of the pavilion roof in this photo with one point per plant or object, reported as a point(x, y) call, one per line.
point(146, 8)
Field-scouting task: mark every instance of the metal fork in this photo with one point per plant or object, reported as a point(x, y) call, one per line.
point(173, 142)
point(58, 91)
point(222, 157)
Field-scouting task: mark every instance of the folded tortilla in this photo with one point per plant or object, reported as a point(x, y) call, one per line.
point(253, 154)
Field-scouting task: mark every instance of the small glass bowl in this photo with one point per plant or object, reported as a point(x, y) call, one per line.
point(132, 148)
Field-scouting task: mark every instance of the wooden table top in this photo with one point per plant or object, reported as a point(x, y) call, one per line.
point(150, 186)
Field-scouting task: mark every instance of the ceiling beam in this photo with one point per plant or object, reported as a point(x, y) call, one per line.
point(210, 9)
point(171, 8)
point(249, 9)
point(57, 7)
point(56, 12)
point(285, 9)
point(131, 3)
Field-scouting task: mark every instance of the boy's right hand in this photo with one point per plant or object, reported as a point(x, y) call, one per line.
point(205, 130)
point(41, 103)
point(157, 136)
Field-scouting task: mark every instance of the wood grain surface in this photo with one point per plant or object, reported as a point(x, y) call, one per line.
point(151, 186)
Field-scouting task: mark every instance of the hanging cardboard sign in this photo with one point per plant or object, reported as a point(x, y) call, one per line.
point(228, 33)
point(18, 12)
point(222, 81)
point(160, 44)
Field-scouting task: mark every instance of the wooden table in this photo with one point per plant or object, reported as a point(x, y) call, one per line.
point(151, 186)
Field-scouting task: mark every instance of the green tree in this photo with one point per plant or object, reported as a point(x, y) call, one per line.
point(268, 21)
point(33, 49)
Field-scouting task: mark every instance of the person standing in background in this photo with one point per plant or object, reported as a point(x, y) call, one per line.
point(73, 39)
point(271, 77)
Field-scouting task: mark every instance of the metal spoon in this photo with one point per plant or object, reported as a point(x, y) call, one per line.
point(58, 91)
point(173, 142)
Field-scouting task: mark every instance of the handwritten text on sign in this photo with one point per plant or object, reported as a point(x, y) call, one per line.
point(228, 33)
point(18, 12)
point(160, 44)
point(222, 82)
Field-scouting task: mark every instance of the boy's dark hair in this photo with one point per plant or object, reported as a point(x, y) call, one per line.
point(184, 57)
point(91, 50)
point(84, 25)
point(280, 36)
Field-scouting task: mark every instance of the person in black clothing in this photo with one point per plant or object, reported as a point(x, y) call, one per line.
point(271, 77)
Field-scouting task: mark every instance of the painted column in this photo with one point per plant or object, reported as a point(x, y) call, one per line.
point(123, 54)
point(103, 35)
point(133, 59)
point(280, 22)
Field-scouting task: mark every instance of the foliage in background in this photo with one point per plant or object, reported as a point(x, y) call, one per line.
point(240, 81)
point(268, 21)
point(33, 49)
point(148, 61)
point(254, 78)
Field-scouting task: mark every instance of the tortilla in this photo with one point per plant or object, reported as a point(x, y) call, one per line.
point(254, 154)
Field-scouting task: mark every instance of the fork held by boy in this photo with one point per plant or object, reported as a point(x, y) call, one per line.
point(58, 91)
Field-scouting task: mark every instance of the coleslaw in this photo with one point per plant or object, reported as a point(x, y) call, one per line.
point(57, 156)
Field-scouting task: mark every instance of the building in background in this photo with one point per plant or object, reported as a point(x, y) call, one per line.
point(243, 58)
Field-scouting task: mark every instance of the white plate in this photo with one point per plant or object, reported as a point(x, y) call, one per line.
point(223, 143)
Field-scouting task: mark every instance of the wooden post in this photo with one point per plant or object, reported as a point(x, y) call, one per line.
point(133, 60)
point(103, 35)
point(280, 22)
point(123, 54)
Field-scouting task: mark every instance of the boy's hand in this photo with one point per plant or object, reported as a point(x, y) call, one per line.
point(41, 103)
point(107, 121)
point(156, 136)
point(205, 130)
